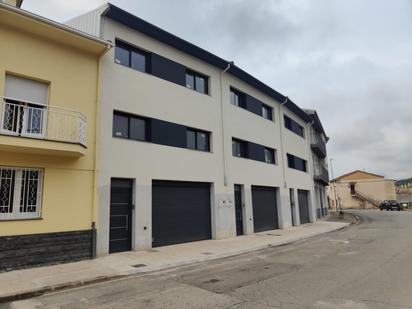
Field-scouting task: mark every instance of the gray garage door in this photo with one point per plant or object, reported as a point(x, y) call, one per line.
point(303, 206)
point(180, 212)
point(265, 210)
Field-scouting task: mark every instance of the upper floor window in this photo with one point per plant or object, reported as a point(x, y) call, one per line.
point(293, 126)
point(239, 148)
point(297, 163)
point(131, 127)
point(198, 140)
point(131, 57)
point(237, 98)
point(267, 112)
point(21, 191)
point(24, 111)
point(270, 155)
point(197, 82)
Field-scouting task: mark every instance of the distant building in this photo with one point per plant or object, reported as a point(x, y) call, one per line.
point(403, 189)
point(360, 189)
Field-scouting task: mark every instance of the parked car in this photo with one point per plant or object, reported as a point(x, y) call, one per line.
point(390, 205)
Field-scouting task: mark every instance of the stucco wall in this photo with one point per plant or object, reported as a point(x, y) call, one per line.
point(139, 93)
point(68, 181)
point(378, 189)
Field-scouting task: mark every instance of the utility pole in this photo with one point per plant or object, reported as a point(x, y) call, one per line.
point(334, 188)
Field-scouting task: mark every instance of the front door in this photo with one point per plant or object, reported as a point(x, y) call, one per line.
point(121, 193)
point(238, 210)
point(303, 206)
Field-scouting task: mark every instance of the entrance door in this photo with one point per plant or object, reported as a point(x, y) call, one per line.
point(292, 205)
point(120, 237)
point(303, 206)
point(238, 210)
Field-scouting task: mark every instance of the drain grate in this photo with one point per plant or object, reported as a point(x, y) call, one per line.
point(139, 265)
point(207, 253)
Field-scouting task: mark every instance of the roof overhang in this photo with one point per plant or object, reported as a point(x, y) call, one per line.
point(142, 26)
point(36, 25)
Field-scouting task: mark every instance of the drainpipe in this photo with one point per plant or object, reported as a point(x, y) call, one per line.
point(311, 169)
point(229, 64)
point(281, 143)
point(95, 199)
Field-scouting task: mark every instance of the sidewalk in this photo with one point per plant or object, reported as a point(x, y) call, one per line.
point(31, 282)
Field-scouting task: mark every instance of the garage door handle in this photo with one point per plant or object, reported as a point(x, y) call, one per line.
point(127, 222)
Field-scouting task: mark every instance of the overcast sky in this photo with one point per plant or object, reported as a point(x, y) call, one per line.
point(350, 60)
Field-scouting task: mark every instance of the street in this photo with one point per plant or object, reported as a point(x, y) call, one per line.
point(367, 265)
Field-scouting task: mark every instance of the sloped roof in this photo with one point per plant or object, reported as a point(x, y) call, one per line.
point(348, 175)
point(317, 124)
point(123, 17)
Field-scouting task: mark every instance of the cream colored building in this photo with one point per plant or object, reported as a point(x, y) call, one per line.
point(360, 189)
point(48, 118)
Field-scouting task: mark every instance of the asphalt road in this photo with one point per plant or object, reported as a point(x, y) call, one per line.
point(368, 265)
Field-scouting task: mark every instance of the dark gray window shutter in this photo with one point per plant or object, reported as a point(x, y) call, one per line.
point(168, 69)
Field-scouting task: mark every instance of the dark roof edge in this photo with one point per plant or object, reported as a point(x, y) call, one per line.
point(121, 16)
point(317, 124)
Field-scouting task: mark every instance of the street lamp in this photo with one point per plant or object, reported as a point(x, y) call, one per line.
point(334, 189)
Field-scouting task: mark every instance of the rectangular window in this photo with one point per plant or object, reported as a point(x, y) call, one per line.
point(128, 126)
point(197, 82)
point(20, 193)
point(198, 140)
point(267, 112)
point(130, 56)
point(297, 163)
point(24, 111)
point(237, 98)
point(239, 148)
point(293, 126)
point(270, 155)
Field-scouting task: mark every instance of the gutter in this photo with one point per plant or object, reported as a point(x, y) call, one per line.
point(52, 23)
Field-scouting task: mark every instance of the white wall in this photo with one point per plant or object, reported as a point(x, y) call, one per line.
point(139, 93)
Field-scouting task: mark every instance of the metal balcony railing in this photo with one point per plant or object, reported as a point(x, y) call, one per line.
point(43, 122)
point(321, 173)
point(318, 145)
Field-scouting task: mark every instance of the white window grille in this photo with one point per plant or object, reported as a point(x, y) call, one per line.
point(20, 193)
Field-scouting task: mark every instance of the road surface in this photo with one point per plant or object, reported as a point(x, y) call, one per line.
point(368, 265)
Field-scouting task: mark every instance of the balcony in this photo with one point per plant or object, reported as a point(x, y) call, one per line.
point(321, 174)
point(42, 129)
point(318, 145)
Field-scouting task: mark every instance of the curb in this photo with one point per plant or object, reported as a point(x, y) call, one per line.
point(74, 284)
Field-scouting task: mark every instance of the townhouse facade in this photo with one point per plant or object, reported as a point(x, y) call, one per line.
point(318, 141)
point(49, 85)
point(191, 146)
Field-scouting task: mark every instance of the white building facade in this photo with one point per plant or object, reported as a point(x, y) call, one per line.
point(190, 146)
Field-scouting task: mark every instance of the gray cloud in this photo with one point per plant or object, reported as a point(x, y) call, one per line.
point(349, 59)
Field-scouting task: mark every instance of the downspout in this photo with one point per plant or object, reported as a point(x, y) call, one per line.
point(95, 198)
point(311, 168)
point(229, 64)
point(281, 143)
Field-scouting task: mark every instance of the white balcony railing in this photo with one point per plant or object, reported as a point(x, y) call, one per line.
point(43, 122)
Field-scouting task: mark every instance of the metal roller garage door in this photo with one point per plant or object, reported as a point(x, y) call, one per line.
point(303, 206)
point(180, 212)
point(265, 209)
